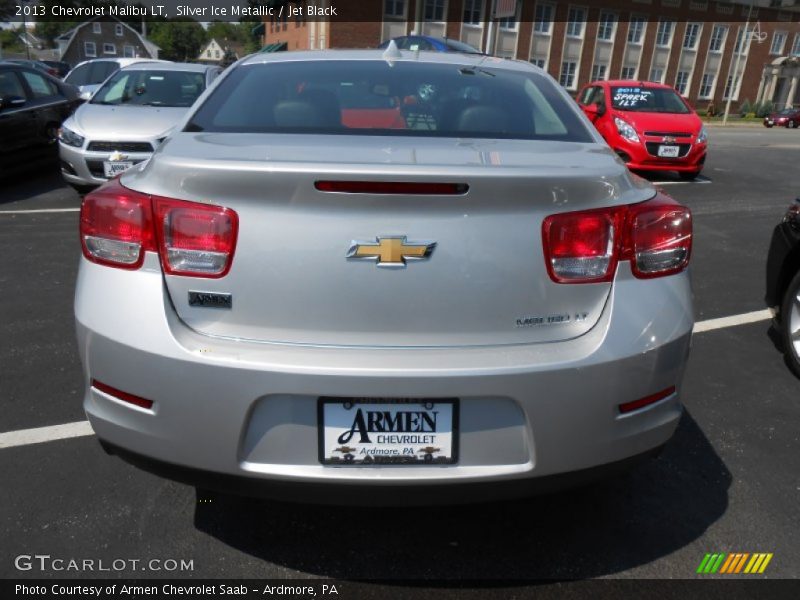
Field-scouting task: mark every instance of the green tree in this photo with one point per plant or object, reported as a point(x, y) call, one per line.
point(10, 42)
point(179, 40)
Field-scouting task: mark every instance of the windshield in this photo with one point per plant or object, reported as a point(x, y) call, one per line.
point(375, 97)
point(648, 99)
point(151, 88)
point(457, 46)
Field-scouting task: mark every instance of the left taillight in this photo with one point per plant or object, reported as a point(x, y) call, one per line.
point(118, 225)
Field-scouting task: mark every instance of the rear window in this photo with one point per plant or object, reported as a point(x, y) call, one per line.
point(647, 99)
point(92, 73)
point(376, 98)
point(151, 88)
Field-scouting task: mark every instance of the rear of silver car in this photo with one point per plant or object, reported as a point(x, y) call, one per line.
point(383, 314)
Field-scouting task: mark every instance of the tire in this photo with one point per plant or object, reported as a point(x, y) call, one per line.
point(790, 324)
point(688, 175)
point(792, 124)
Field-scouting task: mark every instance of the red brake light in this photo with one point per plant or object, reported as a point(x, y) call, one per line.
point(118, 225)
point(585, 246)
point(120, 395)
point(195, 239)
point(646, 401)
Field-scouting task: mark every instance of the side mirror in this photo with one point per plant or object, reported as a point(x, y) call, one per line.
point(11, 102)
point(594, 111)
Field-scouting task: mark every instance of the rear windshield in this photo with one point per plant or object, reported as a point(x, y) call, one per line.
point(151, 88)
point(646, 99)
point(91, 73)
point(377, 98)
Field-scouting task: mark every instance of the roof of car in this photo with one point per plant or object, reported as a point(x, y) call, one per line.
point(453, 58)
point(168, 66)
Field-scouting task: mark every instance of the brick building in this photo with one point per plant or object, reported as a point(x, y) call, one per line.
point(693, 45)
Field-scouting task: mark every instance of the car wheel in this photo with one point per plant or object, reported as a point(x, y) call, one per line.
point(793, 124)
point(790, 324)
point(688, 175)
point(768, 126)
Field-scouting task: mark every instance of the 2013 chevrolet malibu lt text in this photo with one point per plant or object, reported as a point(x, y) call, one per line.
point(383, 276)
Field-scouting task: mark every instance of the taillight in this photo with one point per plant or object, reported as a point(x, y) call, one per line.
point(195, 239)
point(118, 225)
point(585, 246)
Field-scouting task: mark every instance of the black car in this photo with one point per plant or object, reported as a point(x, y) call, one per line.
point(783, 283)
point(32, 106)
point(61, 68)
point(35, 64)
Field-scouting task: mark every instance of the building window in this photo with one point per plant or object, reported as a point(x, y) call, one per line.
point(433, 10)
point(664, 33)
point(394, 8)
point(691, 36)
point(97, 27)
point(628, 73)
point(598, 72)
point(682, 82)
point(89, 49)
point(706, 85)
point(568, 74)
point(636, 30)
point(717, 38)
point(724, 8)
point(778, 42)
point(670, 2)
point(509, 23)
point(796, 45)
point(606, 26)
point(543, 18)
point(216, 53)
point(657, 75)
point(109, 49)
point(698, 5)
point(728, 86)
point(129, 51)
point(575, 21)
point(539, 62)
point(473, 10)
point(738, 44)
point(118, 31)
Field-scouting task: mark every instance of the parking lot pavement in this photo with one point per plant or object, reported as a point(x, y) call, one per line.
point(729, 481)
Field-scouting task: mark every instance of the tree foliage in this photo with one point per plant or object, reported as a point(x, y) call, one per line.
point(178, 40)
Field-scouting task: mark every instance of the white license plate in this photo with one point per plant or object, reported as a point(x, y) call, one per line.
point(669, 151)
point(112, 169)
point(369, 431)
point(770, 123)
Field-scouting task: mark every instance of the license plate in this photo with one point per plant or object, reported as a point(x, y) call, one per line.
point(112, 169)
point(770, 122)
point(669, 151)
point(369, 431)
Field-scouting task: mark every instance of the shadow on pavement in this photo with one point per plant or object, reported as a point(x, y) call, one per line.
point(26, 185)
point(599, 530)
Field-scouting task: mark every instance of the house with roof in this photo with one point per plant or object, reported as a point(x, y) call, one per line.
point(104, 38)
point(214, 52)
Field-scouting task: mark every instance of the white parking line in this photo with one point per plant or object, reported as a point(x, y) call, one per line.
point(26, 437)
point(700, 180)
point(40, 210)
point(722, 322)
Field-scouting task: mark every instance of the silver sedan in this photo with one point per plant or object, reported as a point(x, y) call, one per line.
point(127, 118)
point(383, 276)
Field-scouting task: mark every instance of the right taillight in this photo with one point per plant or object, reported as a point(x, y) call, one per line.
point(118, 225)
point(585, 246)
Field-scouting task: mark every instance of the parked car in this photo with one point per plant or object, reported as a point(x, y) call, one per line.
point(61, 68)
point(35, 64)
point(788, 117)
point(32, 106)
point(430, 43)
point(127, 118)
point(90, 74)
point(783, 283)
point(474, 300)
point(649, 125)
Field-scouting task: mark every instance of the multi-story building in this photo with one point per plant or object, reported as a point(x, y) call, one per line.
point(694, 45)
point(104, 38)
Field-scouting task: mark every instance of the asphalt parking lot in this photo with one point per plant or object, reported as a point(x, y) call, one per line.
point(729, 481)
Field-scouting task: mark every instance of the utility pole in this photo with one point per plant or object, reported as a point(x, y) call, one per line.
point(742, 43)
point(25, 32)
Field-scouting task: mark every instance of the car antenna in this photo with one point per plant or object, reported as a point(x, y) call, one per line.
point(391, 53)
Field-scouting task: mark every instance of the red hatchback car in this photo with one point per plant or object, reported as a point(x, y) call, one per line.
point(649, 125)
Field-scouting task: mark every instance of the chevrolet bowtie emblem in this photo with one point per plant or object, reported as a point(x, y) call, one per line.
point(117, 156)
point(391, 251)
point(668, 139)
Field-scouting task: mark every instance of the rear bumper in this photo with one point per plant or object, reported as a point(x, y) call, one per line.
point(237, 409)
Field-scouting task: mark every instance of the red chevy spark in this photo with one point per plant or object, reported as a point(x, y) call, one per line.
point(649, 125)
